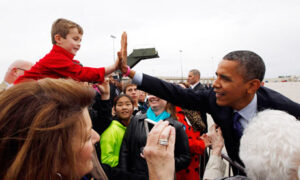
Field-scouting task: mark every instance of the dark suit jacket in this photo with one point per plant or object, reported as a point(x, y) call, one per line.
point(199, 87)
point(205, 100)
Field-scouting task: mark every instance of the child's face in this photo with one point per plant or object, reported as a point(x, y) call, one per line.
point(124, 108)
point(132, 92)
point(72, 41)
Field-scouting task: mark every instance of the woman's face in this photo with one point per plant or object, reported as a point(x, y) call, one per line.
point(156, 103)
point(142, 96)
point(84, 145)
point(124, 108)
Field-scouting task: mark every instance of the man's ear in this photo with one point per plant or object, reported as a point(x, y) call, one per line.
point(253, 86)
point(57, 38)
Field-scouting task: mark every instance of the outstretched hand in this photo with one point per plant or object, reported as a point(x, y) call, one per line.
point(206, 139)
point(217, 141)
point(121, 61)
point(122, 54)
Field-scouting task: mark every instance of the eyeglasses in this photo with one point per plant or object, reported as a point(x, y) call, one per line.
point(22, 69)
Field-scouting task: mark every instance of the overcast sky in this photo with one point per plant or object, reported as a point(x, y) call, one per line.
point(205, 30)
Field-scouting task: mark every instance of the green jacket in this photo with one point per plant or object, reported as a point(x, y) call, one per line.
point(110, 142)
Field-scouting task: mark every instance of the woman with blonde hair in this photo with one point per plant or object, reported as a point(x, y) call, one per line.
point(46, 131)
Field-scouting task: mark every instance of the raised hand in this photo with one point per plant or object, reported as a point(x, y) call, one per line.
point(160, 157)
point(217, 141)
point(206, 139)
point(121, 62)
point(122, 55)
point(104, 89)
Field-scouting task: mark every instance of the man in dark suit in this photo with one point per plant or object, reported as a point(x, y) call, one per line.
point(236, 91)
point(195, 84)
point(194, 80)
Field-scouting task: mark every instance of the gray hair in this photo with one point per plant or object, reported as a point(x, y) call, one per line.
point(270, 147)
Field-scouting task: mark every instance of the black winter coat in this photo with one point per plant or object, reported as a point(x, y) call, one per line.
point(135, 140)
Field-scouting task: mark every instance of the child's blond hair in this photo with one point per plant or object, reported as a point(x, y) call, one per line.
point(62, 26)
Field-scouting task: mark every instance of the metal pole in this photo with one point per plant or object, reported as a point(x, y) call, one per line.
point(180, 53)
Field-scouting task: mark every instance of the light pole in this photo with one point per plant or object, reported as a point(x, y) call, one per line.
point(113, 37)
point(180, 54)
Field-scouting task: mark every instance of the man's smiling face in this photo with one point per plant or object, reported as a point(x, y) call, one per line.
point(230, 87)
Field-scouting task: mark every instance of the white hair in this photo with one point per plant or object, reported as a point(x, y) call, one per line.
point(270, 146)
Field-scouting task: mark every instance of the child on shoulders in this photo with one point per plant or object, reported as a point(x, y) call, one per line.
point(59, 63)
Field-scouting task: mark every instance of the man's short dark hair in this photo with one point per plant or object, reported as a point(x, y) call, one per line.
point(252, 65)
point(196, 72)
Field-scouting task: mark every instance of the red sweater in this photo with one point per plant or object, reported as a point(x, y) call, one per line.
point(59, 63)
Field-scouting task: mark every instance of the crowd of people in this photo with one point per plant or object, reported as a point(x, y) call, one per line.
point(61, 120)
